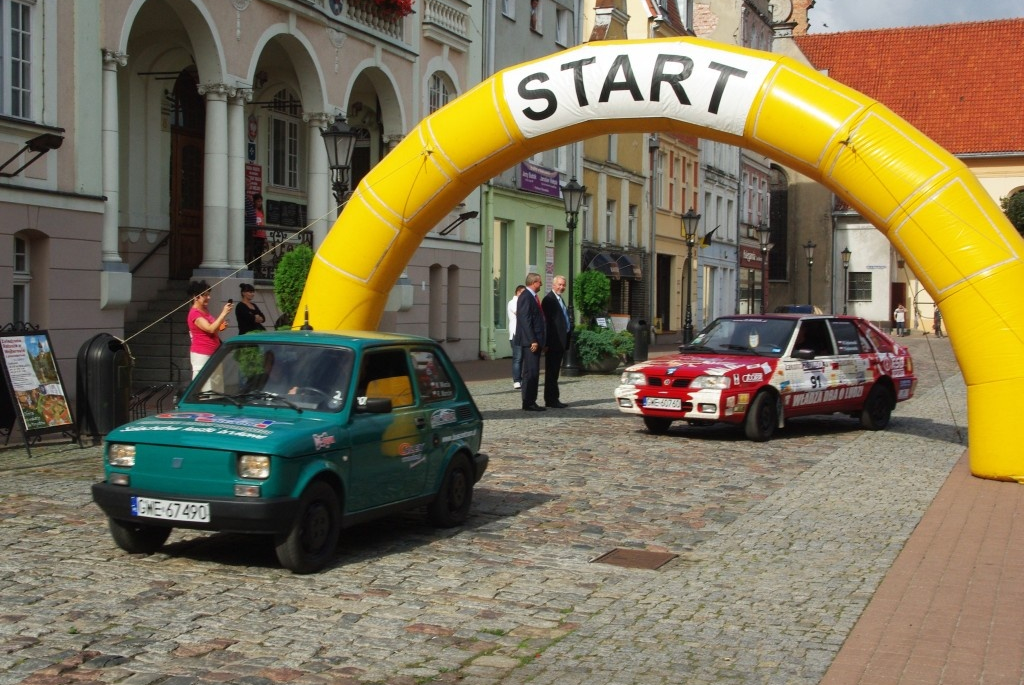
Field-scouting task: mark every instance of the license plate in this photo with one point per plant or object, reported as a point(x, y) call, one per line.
point(171, 510)
point(663, 403)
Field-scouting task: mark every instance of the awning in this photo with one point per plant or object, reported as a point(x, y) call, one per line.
point(627, 267)
point(600, 261)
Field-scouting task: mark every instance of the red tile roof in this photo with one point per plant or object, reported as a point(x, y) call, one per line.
point(962, 85)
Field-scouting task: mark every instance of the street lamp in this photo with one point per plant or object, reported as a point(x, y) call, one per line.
point(340, 141)
point(764, 234)
point(572, 195)
point(846, 274)
point(809, 251)
point(689, 231)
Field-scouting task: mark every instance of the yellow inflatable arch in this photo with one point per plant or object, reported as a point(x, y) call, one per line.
point(926, 202)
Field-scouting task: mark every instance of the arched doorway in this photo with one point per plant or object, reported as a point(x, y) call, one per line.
point(187, 117)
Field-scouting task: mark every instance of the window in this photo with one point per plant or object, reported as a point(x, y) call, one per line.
point(16, 59)
point(284, 140)
point(613, 148)
point(631, 239)
point(434, 383)
point(499, 260)
point(562, 27)
point(659, 172)
point(508, 8)
point(859, 286)
point(536, 20)
point(609, 225)
point(535, 248)
point(440, 91)
point(22, 279)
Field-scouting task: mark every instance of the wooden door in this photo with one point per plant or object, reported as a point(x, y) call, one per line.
point(186, 210)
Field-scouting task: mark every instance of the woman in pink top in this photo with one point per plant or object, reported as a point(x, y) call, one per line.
point(203, 328)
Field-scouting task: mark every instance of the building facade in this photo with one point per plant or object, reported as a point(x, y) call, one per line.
point(173, 115)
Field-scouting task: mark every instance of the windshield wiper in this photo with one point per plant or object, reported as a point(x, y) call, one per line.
point(214, 395)
point(741, 348)
point(696, 348)
point(269, 397)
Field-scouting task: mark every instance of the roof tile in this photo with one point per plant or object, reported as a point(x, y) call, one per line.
point(962, 85)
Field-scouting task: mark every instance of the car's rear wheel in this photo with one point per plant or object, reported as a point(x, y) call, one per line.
point(874, 415)
point(451, 505)
point(762, 417)
point(657, 424)
point(137, 538)
point(309, 545)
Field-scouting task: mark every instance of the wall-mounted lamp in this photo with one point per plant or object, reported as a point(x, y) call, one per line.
point(40, 145)
point(459, 220)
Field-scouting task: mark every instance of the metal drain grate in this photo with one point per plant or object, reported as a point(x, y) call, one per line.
point(635, 558)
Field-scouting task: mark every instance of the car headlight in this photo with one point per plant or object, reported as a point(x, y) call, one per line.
point(711, 383)
point(255, 466)
point(121, 455)
point(633, 378)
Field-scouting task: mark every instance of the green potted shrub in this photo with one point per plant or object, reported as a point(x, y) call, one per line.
point(599, 349)
point(289, 282)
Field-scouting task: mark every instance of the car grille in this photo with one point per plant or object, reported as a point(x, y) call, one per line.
point(668, 382)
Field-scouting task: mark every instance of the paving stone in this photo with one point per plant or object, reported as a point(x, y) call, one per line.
point(781, 545)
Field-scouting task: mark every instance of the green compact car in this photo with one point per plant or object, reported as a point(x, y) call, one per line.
point(298, 434)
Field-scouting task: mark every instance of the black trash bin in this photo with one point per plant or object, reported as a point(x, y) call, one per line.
point(104, 375)
point(641, 338)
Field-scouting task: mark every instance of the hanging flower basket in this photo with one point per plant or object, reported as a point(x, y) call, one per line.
point(393, 9)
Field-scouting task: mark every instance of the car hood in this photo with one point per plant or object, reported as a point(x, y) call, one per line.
point(287, 434)
point(693, 365)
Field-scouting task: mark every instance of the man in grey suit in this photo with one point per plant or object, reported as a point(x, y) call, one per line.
point(559, 332)
point(530, 336)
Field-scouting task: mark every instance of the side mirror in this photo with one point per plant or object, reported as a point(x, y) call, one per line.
point(373, 405)
point(803, 353)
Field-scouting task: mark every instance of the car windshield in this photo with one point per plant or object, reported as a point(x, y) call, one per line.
point(276, 374)
point(759, 336)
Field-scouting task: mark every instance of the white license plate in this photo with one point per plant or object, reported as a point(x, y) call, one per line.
point(663, 403)
point(170, 510)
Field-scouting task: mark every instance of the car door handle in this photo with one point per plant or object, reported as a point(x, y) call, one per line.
point(421, 422)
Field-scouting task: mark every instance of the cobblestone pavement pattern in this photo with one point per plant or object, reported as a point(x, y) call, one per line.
point(780, 546)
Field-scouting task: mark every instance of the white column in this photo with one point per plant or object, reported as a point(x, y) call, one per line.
point(115, 278)
point(236, 176)
point(215, 177)
point(318, 181)
point(111, 176)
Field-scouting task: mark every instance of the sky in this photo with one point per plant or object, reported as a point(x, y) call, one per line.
point(830, 16)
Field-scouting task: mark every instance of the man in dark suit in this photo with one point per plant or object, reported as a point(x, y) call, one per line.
point(559, 332)
point(530, 335)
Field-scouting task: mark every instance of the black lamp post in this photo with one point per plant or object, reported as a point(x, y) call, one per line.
point(690, 221)
point(340, 140)
point(764, 234)
point(846, 273)
point(809, 251)
point(572, 194)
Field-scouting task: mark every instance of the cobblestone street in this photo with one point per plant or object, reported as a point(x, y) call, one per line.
point(779, 546)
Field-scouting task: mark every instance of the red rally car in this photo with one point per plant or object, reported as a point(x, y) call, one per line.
point(759, 370)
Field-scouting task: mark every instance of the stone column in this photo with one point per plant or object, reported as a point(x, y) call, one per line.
point(215, 179)
point(318, 182)
point(237, 138)
point(115, 278)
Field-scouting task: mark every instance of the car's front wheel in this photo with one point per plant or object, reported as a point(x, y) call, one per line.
point(309, 545)
point(657, 424)
point(874, 415)
point(762, 417)
point(451, 505)
point(137, 538)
